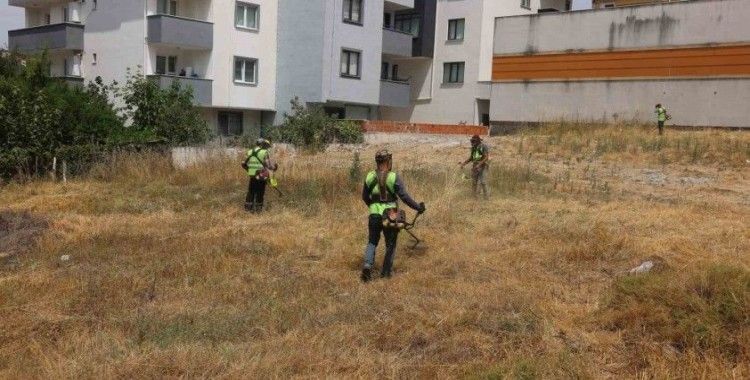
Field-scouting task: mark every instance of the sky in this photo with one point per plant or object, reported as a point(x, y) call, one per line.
point(12, 18)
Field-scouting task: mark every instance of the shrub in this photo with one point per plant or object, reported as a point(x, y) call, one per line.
point(310, 128)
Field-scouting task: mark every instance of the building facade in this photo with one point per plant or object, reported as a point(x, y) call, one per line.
point(225, 50)
point(407, 60)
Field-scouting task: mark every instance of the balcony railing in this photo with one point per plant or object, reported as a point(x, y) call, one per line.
point(179, 31)
point(202, 88)
point(65, 36)
point(397, 43)
point(395, 93)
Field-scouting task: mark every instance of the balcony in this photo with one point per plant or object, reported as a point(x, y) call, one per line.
point(396, 43)
point(65, 36)
point(180, 32)
point(71, 80)
point(400, 3)
point(395, 93)
point(202, 88)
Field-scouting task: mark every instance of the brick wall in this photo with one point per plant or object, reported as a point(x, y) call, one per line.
point(436, 129)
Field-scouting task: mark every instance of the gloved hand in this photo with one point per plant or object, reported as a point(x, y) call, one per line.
point(422, 208)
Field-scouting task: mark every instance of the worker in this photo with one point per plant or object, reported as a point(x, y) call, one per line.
point(661, 117)
point(478, 157)
point(258, 165)
point(380, 192)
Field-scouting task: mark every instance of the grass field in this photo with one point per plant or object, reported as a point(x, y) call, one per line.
point(167, 276)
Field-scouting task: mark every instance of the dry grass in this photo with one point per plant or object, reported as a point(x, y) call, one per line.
point(169, 277)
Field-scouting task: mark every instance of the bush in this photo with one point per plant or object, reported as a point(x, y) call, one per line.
point(310, 128)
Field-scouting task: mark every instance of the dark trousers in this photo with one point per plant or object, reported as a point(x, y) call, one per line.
point(661, 127)
point(256, 190)
point(375, 228)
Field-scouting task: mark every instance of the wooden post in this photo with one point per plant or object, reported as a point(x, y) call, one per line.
point(65, 171)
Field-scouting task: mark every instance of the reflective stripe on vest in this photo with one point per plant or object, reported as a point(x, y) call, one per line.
point(377, 207)
point(255, 162)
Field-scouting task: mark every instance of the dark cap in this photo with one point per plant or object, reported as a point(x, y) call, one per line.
point(383, 156)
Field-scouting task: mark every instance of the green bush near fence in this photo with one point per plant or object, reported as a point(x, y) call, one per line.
point(43, 118)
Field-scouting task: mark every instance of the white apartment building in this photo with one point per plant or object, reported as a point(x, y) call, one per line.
point(224, 49)
point(406, 60)
point(453, 86)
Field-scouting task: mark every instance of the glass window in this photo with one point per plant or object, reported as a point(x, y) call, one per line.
point(230, 123)
point(407, 23)
point(526, 4)
point(246, 15)
point(245, 70)
point(166, 65)
point(456, 29)
point(453, 72)
point(353, 11)
point(350, 63)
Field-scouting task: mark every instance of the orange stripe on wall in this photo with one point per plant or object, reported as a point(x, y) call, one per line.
point(682, 62)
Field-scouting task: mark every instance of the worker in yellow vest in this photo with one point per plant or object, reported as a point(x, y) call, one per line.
point(258, 165)
point(661, 117)
point(381, 191)
point(479, 157)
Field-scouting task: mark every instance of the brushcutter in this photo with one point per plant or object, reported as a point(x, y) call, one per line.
point(275, 185)
point(409, 226)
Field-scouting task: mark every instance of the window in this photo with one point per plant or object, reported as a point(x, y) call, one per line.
point(47, 19)
point(166, 65)
point(384, 71)
point(230, 123)
point(386, 20)
point(394, 72)
point(453, 72)
point(526, 4)
point(245, 70)
point(167, 7)
point(246, 16)
point(350, 63)
point(456, 29)
point(66, 14)
point(407, 23)
point(353, 11)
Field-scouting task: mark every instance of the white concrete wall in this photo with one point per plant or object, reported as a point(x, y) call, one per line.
point(367, 38)
point(229, 42)
point(116, 33)
point(435, 102)
point(665, 25)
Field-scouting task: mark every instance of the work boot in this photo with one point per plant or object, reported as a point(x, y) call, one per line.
point(366, 274)
point(385, 274)
point(259, 208)
point(248, 207)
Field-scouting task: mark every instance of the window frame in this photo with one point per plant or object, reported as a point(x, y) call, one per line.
point(454, 36)
point(246, 5)
point(228, 114)
point(170, 61)
point(448, 78)
point(349, 53)
point(348, 18)
point(256, 70)
point(526, 4)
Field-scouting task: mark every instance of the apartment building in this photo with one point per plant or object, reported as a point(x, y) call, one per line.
point(405, 60)
point(452, 86)
point(336, 53)
point(224, 49)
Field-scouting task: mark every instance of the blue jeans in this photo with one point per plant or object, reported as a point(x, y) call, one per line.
point(375, 227)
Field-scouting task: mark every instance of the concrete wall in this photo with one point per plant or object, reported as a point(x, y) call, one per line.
point(230, 41)
point(366, 38)
point(300, 51)
point(702, 101)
